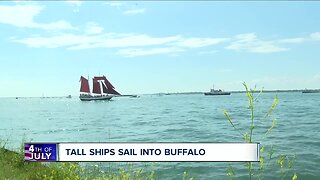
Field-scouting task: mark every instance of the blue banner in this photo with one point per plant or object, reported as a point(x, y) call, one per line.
point(40, 152)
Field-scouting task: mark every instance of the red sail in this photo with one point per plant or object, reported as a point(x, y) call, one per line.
point(107, 87)
point(99, 78)
point(109, 90)
point(112, 91)
point(104, 88)
point(84, 85)
point(96, 87)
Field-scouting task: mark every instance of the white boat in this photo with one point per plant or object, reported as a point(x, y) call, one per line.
point(102, 89)
point(94, 98)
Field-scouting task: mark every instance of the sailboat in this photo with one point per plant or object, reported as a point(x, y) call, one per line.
point(102, 89)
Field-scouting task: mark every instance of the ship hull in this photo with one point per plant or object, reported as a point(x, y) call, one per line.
point(95, 98)
point(217, 94)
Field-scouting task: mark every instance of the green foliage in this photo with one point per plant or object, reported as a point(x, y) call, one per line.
point(185, 176)
point(231, 172)
point(284, 162)
point(294, 177)
point(13, 166)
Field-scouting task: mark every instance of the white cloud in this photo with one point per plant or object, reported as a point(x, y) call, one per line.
point(93, 28)
point(292, 40)
point(248, 37)
point(77, 3)
point(107, 40)
point(296, 40)
point(146, 51)
point(127, 8)
point(199, 42)
point(265, 47)
point(61, 24)
point(114, 4)
point(140, 40)
point(250, 43)
point(134, 11)
point(315, 36)
point(128, 45)
point(63, 40)
point(22, 16)
point(124, 41)
point(94, 37)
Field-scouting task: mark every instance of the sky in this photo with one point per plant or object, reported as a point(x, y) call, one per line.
point(150, 47)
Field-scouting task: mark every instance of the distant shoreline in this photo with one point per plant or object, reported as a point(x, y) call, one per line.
point(178, 93)
point(264, 91)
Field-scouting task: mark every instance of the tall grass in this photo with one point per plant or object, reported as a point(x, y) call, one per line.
point(284, 162)
point(13, 166)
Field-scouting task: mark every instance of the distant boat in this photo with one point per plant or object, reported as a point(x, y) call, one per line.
point(102, 89)
point(311, 91)
point(214, 92)
point(69, 96)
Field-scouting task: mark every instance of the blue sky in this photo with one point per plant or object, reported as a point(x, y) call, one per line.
point(150, 47)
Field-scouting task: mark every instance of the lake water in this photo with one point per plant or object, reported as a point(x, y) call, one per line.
point(172, 118)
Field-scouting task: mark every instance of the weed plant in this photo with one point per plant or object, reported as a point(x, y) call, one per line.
point(267, 159)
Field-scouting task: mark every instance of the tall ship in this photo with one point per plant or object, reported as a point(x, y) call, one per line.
point(214, 92)
point(102, 89)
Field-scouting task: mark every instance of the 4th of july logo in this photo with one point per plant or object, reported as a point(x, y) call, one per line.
point(40, 152)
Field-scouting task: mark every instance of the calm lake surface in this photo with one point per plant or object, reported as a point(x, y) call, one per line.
point(172, 118)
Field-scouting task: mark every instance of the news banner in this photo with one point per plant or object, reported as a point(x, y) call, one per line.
point(142, 152)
